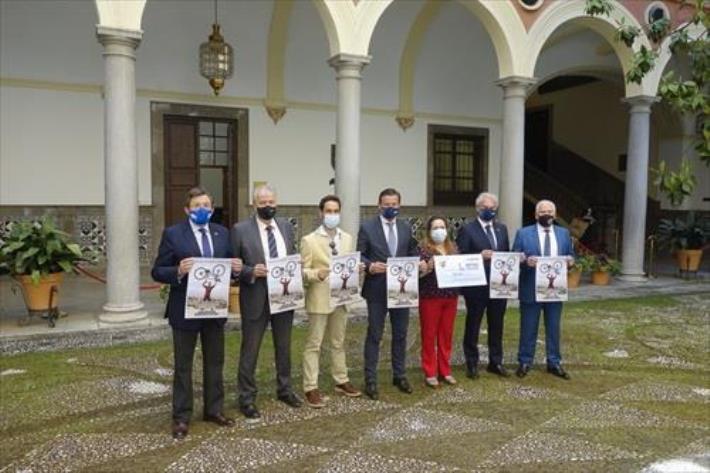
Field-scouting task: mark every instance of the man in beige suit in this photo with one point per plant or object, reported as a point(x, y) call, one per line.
point(316, 251)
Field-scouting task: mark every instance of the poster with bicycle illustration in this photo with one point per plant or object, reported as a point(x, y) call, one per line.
point(208, 289)
point(505, 272)
point(402, 282)
point(285, 283)
point(345, 279)
point(551, 279)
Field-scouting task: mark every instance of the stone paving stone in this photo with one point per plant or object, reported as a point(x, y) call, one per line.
point(458, 395)
point(362, 462)
point(673, 362)
point(218, 454)
point(616, 353)
point(601, 414)
point(418, 423)
point(12, 371)
point(147, 366)
point(648, 391)
point(69, 452)
point(539, 447)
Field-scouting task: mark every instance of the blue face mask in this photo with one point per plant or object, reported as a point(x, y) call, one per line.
point(200, 215)
point(390, 212)
point(487, 215)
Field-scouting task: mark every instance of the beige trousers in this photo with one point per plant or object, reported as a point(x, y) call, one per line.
point(334, 324)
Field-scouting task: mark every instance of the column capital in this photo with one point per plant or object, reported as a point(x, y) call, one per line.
point(350, 65)
point(120, 37)
point(641, 103)
point(516, 86)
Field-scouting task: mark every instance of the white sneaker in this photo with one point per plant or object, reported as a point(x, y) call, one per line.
point(432, 382)
point(450, 379)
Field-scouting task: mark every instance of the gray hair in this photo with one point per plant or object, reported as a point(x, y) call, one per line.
point(260, 189)
point(545, 201)
point(486, 195)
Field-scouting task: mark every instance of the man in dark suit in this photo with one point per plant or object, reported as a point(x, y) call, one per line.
point(254, 240)
point(378, 239)
point(484, 235)
point(540, 239)
point(180, 243)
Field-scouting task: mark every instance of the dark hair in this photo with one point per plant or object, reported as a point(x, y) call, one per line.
point(389, 191)
point(197, 192)
point(329, 198)
point(429, 245)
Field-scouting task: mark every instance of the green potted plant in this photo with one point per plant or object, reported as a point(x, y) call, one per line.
point(686, 238)
point(603, 268)
point(35, 254)
point(582, 264)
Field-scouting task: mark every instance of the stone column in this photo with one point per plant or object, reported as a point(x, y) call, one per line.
point(512, 163)
point(347, 137)
point(636, 189)
point(121, 175)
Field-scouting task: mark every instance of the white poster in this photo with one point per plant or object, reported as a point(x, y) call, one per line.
point(208, 289)
point(459, 271)
point(551, 279)
point(402, 282)
point(285, 283)
point(505, 274)
point(345, 279)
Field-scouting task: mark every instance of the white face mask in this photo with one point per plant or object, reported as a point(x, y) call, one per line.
point(331, 220)
point(438, 235)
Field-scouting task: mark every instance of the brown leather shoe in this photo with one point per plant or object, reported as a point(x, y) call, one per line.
point(314, 399)
point(347, 389)
point(220, 420)
point(179, 430)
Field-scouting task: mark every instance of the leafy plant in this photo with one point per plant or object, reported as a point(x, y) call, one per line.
point(676, 185)
point(627, 33)
point(598, 7)
point(658, 29)
point(584, 263)
point(38, 248)
point(679, 234)
point(603, 263)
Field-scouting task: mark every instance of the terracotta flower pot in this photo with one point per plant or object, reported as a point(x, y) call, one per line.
point(601, 278)
point(574, 278)
point(37, 296)
point(234, 300)
point(689, 260)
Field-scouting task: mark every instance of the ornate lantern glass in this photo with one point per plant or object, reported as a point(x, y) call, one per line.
point(216, 58)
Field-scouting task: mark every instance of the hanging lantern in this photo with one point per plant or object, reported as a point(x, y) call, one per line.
point(216, 57)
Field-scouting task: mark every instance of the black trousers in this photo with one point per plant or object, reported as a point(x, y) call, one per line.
point(476, 304)
point(399, 319)
point(252, 335)
point(184, 341)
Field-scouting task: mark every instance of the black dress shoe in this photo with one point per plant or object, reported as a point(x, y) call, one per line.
point(220, 420)
point(371, 391)
point(472, 373)
point(498, 369)
point(558, 371)
point(291, 400)
point(522, 370)
point(403, 385)
point(179, 430)
point(250, 411)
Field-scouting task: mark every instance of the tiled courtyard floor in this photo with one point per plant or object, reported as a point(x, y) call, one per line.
point(639, 400)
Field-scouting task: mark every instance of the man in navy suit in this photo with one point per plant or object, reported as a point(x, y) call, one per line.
point(180, 243)
point(484, 235)
point(541, 239)
point(378, 239)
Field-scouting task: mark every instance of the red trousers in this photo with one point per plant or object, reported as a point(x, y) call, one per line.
point(436, 318)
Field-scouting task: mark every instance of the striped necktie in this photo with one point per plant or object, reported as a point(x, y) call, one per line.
point(273, 252)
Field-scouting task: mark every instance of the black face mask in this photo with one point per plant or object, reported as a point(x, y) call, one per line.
point(266, 213)
point(545, 220)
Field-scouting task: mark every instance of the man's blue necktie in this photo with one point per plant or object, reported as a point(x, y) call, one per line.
point(206, 248)
point(273, 252)
point(547, 251)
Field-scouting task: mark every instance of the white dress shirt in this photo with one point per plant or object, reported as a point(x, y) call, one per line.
point(484, 224)
point(386, 229)
point(198, 235)
point(263, 233)
point(541, 238)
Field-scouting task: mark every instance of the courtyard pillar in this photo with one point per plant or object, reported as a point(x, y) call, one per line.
point(121, 177)
point(512, 163)
point(347, 137)
point(636, 188)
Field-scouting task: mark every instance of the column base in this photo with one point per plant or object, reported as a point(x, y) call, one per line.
point(120, 315)
point(633, 277)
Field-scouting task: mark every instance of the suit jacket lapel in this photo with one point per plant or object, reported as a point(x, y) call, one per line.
point(401, 230)
point(191, 240)
point(256, 241)
point(482, 235)
point(286, 236)
point(216, 242)
point(534, 235)
point(380, 233)
point(561, 250)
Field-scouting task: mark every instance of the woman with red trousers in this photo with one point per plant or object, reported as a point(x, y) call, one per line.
point(437, 307)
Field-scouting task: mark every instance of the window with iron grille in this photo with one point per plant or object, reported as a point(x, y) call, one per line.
point(458, 161)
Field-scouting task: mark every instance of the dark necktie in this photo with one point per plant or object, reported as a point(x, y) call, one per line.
point(206, 248)
point(273, 252)
point(547, 251)
point(491, 238)
point(392, 240)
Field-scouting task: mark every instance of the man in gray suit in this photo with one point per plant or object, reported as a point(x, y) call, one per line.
point(254, 240)
point(378, 239)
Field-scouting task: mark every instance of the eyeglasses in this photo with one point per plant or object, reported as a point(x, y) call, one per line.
point(333, 251)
